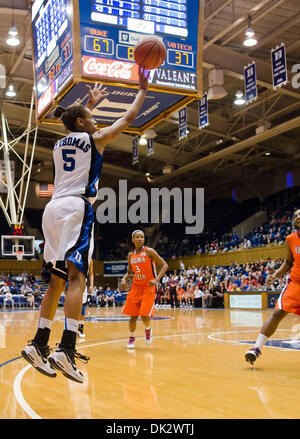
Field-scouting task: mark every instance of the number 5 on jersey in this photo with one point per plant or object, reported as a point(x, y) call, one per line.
point(69, 160)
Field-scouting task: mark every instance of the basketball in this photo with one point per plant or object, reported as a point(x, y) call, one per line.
point(150, 53)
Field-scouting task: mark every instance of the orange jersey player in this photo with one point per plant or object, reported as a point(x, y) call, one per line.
point(289, 299)
point(141, 296)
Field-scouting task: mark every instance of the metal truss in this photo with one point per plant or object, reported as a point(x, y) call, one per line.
point(14, 201)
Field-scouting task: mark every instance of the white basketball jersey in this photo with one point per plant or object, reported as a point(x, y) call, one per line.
point(77, 166)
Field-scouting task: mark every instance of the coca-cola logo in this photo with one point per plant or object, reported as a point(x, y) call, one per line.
point(110, 68)
point(45, 99)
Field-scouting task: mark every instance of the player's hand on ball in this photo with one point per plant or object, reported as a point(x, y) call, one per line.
point(143, 77)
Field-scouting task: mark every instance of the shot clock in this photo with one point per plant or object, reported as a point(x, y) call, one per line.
point(17, 230)
point(77, 42)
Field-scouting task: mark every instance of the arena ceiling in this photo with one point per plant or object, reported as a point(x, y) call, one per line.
point(229, 149)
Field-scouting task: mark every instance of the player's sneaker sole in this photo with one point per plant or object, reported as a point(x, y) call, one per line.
point(41, 364)
point(61, 361)
point(251, 356)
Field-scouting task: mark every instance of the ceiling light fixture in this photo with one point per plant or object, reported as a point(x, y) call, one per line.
point(216, 82)
point(250, 39)
point(13, 39)
point(10, 93)
point(149, 134)
point(143, 141)
point(239, 98)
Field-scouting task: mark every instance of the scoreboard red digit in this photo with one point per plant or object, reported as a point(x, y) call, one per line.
point(17, 230)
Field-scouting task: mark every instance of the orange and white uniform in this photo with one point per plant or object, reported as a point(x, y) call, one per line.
point(289, 299)
point(141, 296)
point(180, 293)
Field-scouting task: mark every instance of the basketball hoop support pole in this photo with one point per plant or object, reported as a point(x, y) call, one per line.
point(10, 191)
point(17, 202)
point(25, 160)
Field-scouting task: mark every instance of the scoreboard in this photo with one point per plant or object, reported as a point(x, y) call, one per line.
point(52, 48)
point(110, 29)
point(77, 42)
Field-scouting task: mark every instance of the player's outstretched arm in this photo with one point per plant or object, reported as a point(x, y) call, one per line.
point(108, 134)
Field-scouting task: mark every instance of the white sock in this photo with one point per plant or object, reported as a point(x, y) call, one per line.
point(261, 340)
point(131, 334)
point(44, 323)
point(81, 322)
point(147, 328)
point(71, 324)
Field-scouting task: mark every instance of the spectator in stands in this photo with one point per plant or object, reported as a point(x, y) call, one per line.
point(37, 294)
point(190, 295)
point(28, 294)
point(172, 284)
point(31, 278)
point(19, 278)
point(220, 290)
point(244, 283)
point(110, 300)
point(198, 294)
point(270, 264)
point(165, 299)
point(24, 276)
point(206, 297)
point(8, 299)
point(4, 288)
point(101, 298)
point(118, 297)
point(247, 243)
point(160, 292)
point(260, 279)
point(165, 279)
point(181, 295)
point(14, 289)
point(236, 281)
point(92, 296)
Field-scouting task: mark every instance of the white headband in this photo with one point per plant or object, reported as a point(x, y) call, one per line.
point(133, 233)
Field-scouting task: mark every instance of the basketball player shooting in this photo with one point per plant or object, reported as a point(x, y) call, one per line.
point(68, 226)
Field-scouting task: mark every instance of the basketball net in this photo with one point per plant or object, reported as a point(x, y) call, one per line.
point(19, 255)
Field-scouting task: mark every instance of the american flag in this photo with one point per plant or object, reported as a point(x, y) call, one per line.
point(46, 190)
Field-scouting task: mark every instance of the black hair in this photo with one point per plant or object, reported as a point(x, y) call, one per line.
point(70, 114)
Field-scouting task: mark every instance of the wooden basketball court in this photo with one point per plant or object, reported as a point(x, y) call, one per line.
point(194, 368)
